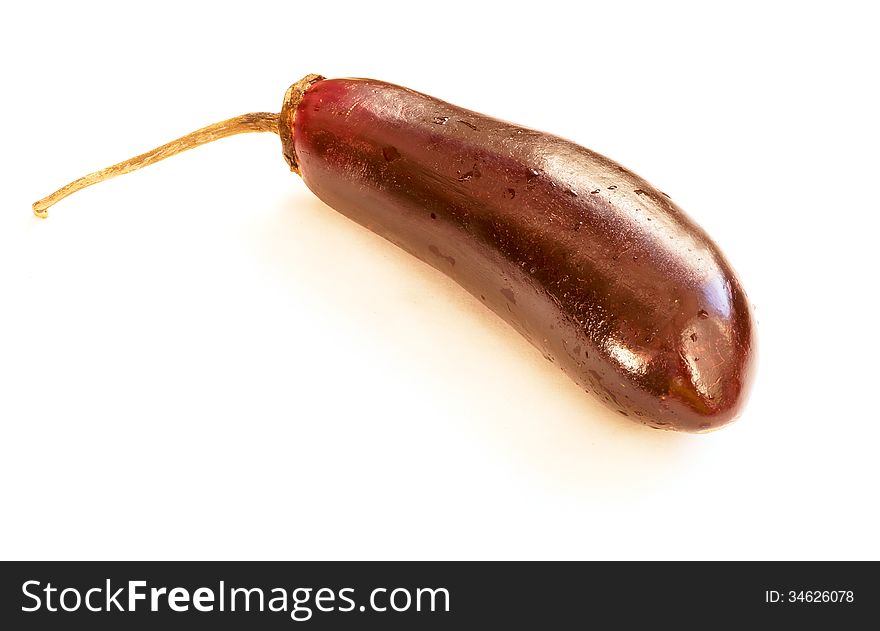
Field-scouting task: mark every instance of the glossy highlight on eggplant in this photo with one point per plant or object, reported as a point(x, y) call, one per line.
point(598, 269)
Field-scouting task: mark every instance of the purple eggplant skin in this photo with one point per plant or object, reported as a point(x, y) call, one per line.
point(598, 269)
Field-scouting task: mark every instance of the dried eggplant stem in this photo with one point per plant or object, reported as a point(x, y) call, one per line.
point(254, 122)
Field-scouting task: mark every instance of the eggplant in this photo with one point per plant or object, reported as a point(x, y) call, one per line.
point(597, 268)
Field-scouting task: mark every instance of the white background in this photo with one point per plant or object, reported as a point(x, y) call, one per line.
point(201, 360)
